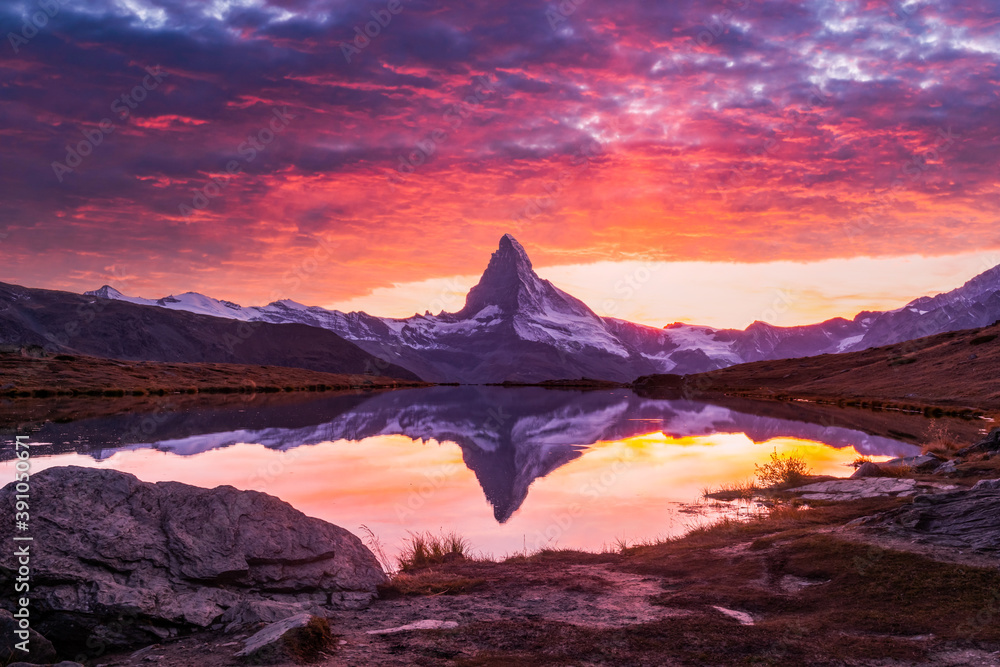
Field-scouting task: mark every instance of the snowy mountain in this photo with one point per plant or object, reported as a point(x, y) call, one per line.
point(975, 304)
point(131, 329)
point(517, 327)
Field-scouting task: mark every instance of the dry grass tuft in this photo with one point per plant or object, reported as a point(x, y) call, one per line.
point(744, 490)
point(940, 441)
point(428, 582)
point(426, 549)
point(375, 545)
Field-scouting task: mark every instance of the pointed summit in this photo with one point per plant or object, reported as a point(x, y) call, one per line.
point(510, 257)
point(508, 278)
point(105, 292)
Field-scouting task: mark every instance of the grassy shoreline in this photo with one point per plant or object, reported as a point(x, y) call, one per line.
point(949, 374)
point(65, 375)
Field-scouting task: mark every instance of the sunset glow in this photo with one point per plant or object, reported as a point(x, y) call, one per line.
point(262, 155)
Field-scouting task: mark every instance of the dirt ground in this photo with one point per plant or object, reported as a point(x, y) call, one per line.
point(798, 588)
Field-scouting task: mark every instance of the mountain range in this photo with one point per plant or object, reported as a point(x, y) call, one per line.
point(66, 323)
point(517, 327)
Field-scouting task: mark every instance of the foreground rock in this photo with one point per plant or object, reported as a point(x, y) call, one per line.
point(967, 519)
point(922, 463)
point(867, 469)
point(118, 561)
point(867, 487)
point(989, 445)
point(299, 638)
point(40, 649)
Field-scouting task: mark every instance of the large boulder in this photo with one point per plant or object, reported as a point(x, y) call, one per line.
point(116, 560)
point(967, 519)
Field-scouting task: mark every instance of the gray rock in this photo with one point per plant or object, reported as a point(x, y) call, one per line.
point(946, 468)
point(922, 463)
point(64, 663)
point(122, 562)
point(40, 649)
point(251, 612)
point(867, 469)
point(297, 638)
point(990, 444)
point(968, 519)
point(426, 624)
point(869, 487)
point(987, 485)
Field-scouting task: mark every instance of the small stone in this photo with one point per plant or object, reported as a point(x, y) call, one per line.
point(253, 612)
point(867, 469)
point(741, 616)
point(946, 468)
point(299, 639)
point(143, 651)
point(869, 487)
point(428, 624)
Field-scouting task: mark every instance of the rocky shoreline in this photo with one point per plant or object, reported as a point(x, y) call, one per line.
point(885, 568)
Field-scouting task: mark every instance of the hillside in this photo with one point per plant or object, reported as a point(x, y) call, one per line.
point(62, 322)
point(72, 375)
point(950, 370)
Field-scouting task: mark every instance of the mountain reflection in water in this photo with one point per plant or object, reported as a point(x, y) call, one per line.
point(509, 437)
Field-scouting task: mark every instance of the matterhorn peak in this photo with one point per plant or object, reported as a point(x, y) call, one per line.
point(510, 254)
point(506, 278)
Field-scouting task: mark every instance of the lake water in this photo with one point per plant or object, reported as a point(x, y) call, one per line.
point(507, 468)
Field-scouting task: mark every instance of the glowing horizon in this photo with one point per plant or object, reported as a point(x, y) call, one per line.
point(234, 152)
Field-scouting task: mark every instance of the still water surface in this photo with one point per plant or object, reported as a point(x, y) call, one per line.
point(508, 468)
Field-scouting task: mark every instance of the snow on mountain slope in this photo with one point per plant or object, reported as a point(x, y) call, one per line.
point(974, 304)
point(108, 292)
point(517, 327)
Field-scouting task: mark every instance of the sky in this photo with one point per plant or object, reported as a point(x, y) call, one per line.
point(806, 159)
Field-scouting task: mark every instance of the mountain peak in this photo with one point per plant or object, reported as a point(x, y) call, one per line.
point(511, 252)
point(105, 292)
point(508, 274)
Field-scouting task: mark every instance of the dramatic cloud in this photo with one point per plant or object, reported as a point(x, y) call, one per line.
point(236, 147)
